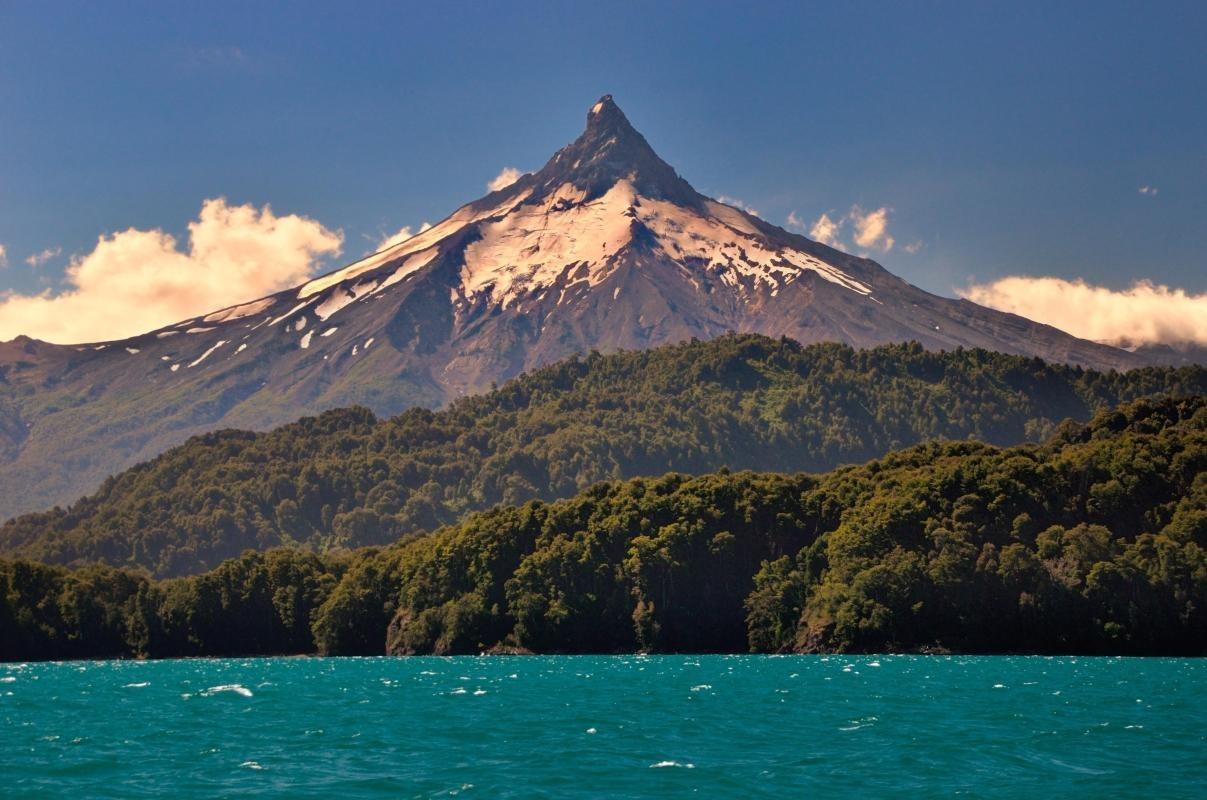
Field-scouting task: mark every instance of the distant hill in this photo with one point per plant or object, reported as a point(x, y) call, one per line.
point(346, 479)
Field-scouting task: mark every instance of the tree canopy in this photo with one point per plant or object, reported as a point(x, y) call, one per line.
point(1094, 541)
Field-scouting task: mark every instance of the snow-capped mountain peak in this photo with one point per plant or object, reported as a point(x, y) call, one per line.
point(604, 246)
point(575, 222)
point(611, 149)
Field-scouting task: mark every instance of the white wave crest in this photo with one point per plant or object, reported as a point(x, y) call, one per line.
point(237, 688)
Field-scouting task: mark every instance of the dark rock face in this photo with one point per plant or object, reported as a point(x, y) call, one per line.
point(605, 247)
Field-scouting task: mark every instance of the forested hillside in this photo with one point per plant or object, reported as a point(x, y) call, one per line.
point(1093, 542)
point(346, 480)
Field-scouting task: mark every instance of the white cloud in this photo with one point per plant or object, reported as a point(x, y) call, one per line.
point(912, 247)
point(38, 259)
point(404, 233)
point(795, 222)
point(1143, 314)
point(508, 176)
point(3, 256)
point(825, 230)
point(869, 229)
point(736, 203)
point(1151, 191)
point(135, 281)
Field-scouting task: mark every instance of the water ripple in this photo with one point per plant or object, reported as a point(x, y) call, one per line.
point(623, 726)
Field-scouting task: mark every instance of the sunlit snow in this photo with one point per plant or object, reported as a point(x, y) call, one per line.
point(239, 312)
point(417, 243)
point(206, 353)
point(538, 245)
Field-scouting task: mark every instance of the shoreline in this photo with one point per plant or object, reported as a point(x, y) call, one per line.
point(630, 654)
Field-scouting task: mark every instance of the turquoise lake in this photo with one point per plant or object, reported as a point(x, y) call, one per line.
point(617, 726)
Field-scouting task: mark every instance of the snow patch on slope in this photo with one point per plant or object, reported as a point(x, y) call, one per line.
point(735, 249)
point(568, 240)
point(534, 245)
point(463, 216)
point(408, 267)
point(239, 312)
point(338, 299)
point(343, 295)
point(292, 311)
point(206, 354)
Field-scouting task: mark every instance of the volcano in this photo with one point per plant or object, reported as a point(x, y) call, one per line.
point(606, 247)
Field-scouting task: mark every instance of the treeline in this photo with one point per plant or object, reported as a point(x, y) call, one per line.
point(1092, 542)
point(345, 480)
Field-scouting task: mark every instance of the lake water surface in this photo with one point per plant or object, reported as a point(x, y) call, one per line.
point(622, 726)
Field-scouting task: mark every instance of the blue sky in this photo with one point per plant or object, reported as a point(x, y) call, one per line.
point(1001, 139)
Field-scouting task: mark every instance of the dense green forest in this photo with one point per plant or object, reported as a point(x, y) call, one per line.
point(1094, 541)
point(345, 480)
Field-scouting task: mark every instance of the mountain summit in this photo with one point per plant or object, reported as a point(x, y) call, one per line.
point(605, 247)
point(611, 150)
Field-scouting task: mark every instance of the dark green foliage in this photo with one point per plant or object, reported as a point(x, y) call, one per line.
point(571, 576)
point(47, 612)
point(257, 604)
point(346, 480)
point(1087, 544)
point(1092, 542)
point(353, 619)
